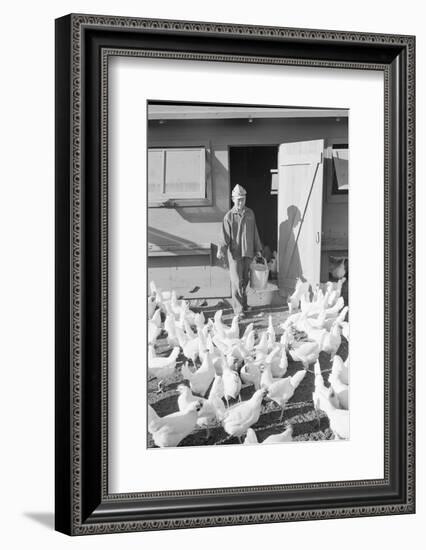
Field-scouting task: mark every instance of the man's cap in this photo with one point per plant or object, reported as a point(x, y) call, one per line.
point(239, 191)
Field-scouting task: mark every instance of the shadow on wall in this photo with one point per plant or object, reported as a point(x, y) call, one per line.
point(200, 214)
point(290, 266)
point(164, 239)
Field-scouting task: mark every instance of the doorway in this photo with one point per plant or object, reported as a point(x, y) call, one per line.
point(251, 168)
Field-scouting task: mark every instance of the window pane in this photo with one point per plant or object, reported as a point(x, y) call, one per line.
point(340, 162)
point(155, 171)
point(185, 172)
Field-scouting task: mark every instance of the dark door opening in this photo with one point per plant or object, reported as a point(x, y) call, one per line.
point(251, 168)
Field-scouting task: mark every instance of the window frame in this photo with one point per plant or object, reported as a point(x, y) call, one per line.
point(329, 146)
point(168, 202)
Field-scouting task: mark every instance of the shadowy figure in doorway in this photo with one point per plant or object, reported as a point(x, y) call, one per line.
point(290, 266)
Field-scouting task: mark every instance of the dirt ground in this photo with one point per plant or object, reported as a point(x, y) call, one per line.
point(307, 425)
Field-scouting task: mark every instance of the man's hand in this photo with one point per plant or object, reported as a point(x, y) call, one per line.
point(219, 254)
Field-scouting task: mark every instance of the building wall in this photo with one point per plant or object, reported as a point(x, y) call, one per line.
point(201, 224)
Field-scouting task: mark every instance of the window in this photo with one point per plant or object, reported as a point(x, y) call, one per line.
point(176, 173)
point(340, 157)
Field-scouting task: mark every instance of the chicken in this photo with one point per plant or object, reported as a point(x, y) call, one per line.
point(282, 390)
point(234, 330)
point(291, 320)
point(152, 304)
point(262, 346)
point(339, 380)
point(170, 328)
point(151, 351)
point(314, 334)
point(277, 359)
point(250, 374)
point(217, 390)
point(191, 350)
point(248, 343)
point(199, 320)
point(333, 311)
point(336, 291)
point(340, 369)
point(247, 331)
point(156, 318)
point(271, 331)
point(284, 437)
point(168, 431)
point(240, 417)
point(231, 383)
point(153, 332)
point(211, 411)
point(162, 367)
point(340, 390)
point(177, 305)
point(251, 437)
point(307, 353)
point(345, 329)
point(300, 290)
point(338, 317)
point(266, 378)
point(332, 340)
point(201, 379)
point(325, 400)
point(203, 348)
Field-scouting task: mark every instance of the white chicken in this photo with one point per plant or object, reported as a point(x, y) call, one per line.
point(340, 369)
point(282, 390)
point(250, 374)
point(201, 379)
point(302, 287)
point(231, 383)
point(217, 390)
point(336, 291)
point(153, 332)
point(332, 340)
point(247, 331)
point(152, 304)
point(345, 330)
point(156, 318)
point(162, 367)
point(169, 430)
point(199, 320)
point(307, 353)
point(325, 400)
point(339, 382)
point(279, 369)
point(271, 331)
point(284, 437)
point(170, 328)
point(248, 343)
point(211, 411)
point(262, 347)
point(337, 318)
point(334, 310)
point(240, 417)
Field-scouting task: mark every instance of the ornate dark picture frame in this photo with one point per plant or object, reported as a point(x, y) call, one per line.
point(83, 45)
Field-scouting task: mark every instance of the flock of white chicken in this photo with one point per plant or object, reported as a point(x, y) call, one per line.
point(217, 362)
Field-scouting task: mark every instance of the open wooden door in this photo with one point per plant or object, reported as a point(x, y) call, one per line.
point(300, 176)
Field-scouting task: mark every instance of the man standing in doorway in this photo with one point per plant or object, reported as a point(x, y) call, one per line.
point(241, 239)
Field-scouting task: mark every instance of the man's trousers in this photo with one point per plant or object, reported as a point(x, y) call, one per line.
point(239, 272)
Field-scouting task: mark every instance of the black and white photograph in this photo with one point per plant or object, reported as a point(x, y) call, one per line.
point(248, 274)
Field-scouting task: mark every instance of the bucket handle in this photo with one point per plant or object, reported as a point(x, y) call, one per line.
point(265, 263)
